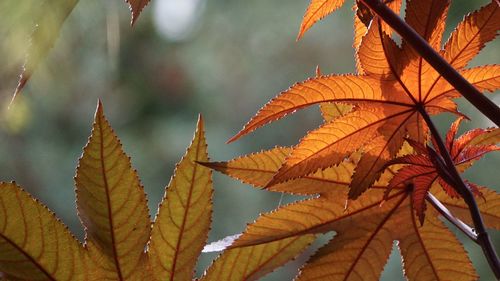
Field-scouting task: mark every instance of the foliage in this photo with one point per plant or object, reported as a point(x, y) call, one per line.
point(367, 172)
point(35, 245)
point(395, 87)
point(366, 227)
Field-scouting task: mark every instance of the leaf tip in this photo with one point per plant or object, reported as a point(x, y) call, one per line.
point(233, 138)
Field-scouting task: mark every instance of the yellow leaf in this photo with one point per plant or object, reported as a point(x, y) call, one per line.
point(181, 226)
point(331, 111)
point(34, 244)
point(111, 205)
point(359, 250)
point(251, 263)
point(365, 232)
point(317, 10)
point(431, 252)
point(258, 169)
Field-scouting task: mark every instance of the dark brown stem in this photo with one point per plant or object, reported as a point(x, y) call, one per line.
point(468, 91)
point(466, 229)
point(456, 181)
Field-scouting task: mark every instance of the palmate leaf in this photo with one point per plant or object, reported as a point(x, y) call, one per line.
point(121, 242)
point(365, 229)
point(395, 84)
point(48, 24)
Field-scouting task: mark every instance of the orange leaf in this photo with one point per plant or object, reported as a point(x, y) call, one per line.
point(472, 34)
point(111, 204)
point(317, 10)
point(396, 82)
point(181, 227)
point(328, 145)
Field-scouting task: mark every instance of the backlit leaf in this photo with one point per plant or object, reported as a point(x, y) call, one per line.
point(317, 10)
point(251, 263)
point(396, 82)
point(472, 34)
point(34, 244)
point(184, 216)
point(431, 252)
point(365, 234)
point(328, 145)
point(112, 205)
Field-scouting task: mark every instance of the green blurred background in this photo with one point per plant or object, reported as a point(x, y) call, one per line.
point(223, 59)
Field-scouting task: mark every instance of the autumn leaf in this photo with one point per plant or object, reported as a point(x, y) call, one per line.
point(317, 10)
point(48, 24)
point(34, 244)
point(366, 228)
point(396, 85)
point(121, 242)
point(253, 262)
point(111, 205)
point(184, 216)
point(422, 173)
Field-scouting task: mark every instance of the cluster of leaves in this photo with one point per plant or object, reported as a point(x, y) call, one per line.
point(367, 172)
point(112, 206)
point(47, 29)
point(369, 115)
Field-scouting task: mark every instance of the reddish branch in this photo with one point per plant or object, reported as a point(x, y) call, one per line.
point(451, 175)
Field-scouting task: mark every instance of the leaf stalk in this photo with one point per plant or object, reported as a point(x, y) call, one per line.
point(456, 181)
point(465, 228)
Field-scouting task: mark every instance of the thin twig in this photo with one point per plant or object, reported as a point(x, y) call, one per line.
point(456, 181)
point(468, 91)
point(465, 228)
